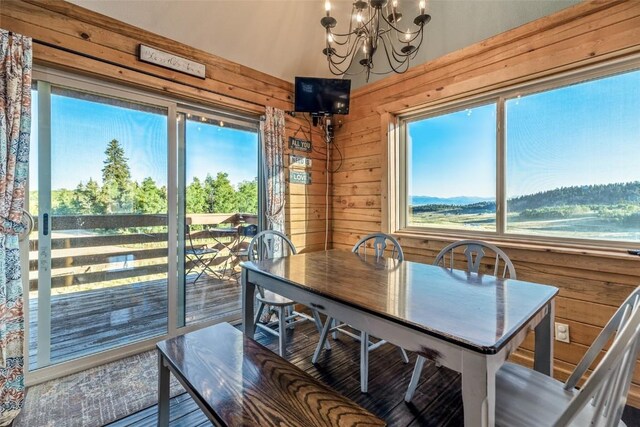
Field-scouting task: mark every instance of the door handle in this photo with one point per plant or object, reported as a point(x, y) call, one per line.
point(27, 220)
point(45, 224)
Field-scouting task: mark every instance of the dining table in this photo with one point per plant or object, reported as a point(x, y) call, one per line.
point(468, 322)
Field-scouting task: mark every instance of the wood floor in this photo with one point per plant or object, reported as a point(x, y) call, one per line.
point(437, 402)
point(91, 321)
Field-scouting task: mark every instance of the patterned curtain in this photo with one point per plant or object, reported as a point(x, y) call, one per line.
point(272, 129)
point(15, 125)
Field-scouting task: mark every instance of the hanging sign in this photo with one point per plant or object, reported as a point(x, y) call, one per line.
point(299, 177)
point(299, 161)
point(299, 144)
point(171, 61)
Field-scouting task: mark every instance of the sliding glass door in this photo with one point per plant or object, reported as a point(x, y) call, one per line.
point(218, 158)
point(98, 185)
point(144, 208)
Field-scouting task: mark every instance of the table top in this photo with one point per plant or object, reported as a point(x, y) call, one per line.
point(476, 311)
point(242, 383)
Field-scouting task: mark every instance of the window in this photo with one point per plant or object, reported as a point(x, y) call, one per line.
point(569, 171)
point(452, 170)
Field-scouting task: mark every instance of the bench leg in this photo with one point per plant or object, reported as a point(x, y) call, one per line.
point(364, 362)
point(163, 392)
point(282, 330)
point(415, 378)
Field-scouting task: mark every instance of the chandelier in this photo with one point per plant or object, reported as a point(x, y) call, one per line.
point(374, 25)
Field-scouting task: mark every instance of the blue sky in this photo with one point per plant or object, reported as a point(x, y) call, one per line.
point(582, 134)
point(81, 130)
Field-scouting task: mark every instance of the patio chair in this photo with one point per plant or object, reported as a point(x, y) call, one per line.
point(199, 257)
point(379, 243)
point(264, 246)
point(474, 253)
point(525, 397)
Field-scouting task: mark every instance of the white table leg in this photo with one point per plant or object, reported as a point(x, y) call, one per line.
point(478, 389)
point(248, 293)
point(543, 355)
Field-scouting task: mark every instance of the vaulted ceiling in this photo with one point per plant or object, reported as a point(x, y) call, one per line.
point(284, 37)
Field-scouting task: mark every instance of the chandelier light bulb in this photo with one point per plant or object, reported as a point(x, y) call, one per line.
point(407, 35)
point(423, 6)
point(330, 38)
point(359, 17)
point(327, 7)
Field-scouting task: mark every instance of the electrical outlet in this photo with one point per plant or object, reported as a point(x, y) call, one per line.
point(562, 332)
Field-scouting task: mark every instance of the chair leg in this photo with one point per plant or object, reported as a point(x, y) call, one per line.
point(415, 378)
point(334, 335)
point(323, 338)
point(282, 330)
point(258, 313)
point(364, 362)
point(318, 322)
point(403, 354)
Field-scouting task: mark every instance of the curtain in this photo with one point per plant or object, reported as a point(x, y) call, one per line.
point(15, 125)
point(272, 129)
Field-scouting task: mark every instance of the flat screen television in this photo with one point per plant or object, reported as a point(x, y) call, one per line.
point(322, 96)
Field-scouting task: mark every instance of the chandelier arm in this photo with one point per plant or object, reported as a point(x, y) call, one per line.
point(395, 70)
point(350, 55)
point(349, 52)
point(394, 52)
point(420, 27)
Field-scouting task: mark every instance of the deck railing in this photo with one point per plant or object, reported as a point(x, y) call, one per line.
point(87, 250)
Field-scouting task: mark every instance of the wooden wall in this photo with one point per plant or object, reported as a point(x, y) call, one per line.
point(592, 282)
point(73, 38)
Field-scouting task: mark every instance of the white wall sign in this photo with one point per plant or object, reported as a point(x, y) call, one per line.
point(299, 161)
point(169, 60)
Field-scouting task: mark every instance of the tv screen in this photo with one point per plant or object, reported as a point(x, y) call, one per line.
point(322, 96)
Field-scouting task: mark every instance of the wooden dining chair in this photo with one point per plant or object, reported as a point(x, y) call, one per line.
point(525, 397)
point(270, 244)
point(472, 255)
point(379, 243)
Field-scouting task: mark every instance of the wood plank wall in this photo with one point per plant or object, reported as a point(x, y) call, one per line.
point(592, 282)
point(72, 38)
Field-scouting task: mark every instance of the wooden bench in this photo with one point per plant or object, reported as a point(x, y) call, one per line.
point(238, 382)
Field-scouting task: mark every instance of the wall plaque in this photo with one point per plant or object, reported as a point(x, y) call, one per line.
point(299, 177)
point(299, 144)
point(299, 161)
point(169, 60)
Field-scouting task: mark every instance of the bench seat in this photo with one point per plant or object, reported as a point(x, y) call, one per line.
point(238, 382)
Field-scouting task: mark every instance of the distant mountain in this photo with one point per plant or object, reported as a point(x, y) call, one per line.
point(449, 201)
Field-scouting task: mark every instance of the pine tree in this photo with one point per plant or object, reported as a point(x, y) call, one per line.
point(116, 179)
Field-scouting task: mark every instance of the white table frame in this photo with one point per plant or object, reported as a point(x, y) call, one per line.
point(478, 370)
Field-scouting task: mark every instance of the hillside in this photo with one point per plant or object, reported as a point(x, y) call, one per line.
point(586, 195)
point(607, 194)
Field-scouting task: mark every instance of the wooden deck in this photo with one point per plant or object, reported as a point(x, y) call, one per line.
point(88, 322)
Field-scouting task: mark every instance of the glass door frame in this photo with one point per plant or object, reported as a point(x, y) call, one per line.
point(55, 77)
point(251, 124)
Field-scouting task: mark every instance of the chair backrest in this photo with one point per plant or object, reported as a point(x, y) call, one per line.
point(379, 244)
point(474, 252)
point(608, 385)
point(249, 230)
point(267, 244)
point(187, 229)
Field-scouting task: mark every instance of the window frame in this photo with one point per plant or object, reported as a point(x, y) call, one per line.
point(398, 156)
